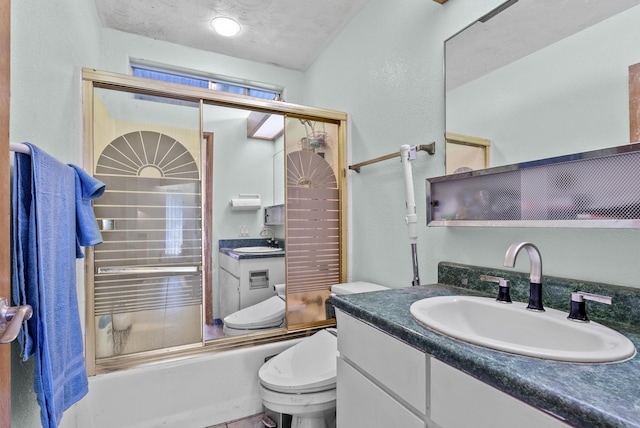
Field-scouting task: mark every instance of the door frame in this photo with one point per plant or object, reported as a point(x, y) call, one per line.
point(5, 205)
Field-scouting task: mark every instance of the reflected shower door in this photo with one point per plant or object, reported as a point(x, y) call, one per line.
point(313, 220)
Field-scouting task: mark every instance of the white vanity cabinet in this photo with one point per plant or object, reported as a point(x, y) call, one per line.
point(247, 281)
point(383, 382)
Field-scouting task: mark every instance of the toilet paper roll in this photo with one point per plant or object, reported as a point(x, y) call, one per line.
point(281, 289)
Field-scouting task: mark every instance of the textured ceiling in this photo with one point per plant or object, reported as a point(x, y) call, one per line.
point(286, 33)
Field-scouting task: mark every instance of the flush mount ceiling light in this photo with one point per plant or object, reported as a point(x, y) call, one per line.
point(225, 26)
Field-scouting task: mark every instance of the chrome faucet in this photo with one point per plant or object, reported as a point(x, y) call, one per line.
point(535, 282)
point(272, 241)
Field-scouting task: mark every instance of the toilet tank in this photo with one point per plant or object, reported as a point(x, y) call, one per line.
point(349, 288)
point(356, 287)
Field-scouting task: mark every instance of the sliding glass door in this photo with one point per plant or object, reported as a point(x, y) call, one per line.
point(148, 271)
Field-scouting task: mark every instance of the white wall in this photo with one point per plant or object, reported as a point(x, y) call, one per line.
point(386, 70)
point(49, 44)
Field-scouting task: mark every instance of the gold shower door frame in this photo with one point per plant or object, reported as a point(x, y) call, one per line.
point(100, 79)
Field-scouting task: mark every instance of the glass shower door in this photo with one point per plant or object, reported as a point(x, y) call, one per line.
point(148, 270)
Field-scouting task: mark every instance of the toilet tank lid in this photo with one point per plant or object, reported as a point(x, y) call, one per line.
point(356, 287)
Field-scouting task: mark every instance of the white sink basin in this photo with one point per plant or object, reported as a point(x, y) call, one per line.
point(257, 250)
point(511, 328)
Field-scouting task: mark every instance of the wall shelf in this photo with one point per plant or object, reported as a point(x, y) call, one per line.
point(599, 189)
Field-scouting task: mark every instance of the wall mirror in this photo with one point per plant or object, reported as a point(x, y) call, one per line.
point(173, 157)
point(544, 78)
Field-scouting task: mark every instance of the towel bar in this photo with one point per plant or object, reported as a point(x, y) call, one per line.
point(149, 269)
point(11, 318)
point(429, 148)
point(20, 148)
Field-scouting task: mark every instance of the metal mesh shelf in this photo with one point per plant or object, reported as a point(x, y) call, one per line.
point(592, 189)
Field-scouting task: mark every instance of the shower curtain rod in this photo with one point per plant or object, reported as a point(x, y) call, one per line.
point(20, 148)
point(429, 148)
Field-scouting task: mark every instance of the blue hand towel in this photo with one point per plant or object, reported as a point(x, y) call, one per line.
point(21, 235)
point(44, 252)
point(87, 189)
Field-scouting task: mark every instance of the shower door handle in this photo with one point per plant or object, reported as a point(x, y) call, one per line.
point(11, 318)
point(149, 269)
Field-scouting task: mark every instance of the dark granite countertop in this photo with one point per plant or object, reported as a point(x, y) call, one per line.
point(584, 395)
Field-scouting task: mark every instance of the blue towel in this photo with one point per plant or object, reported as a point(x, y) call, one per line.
point(44, 276)
point(87, 189)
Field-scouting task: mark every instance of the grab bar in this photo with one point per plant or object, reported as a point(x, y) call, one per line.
point(149, 269)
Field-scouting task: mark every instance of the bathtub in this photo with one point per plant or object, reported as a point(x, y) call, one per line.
point(196, 392)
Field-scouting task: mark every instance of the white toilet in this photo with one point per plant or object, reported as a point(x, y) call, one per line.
point(301, 381)
point(265, 315)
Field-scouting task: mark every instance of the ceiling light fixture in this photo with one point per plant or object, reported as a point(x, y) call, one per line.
point(225, 26)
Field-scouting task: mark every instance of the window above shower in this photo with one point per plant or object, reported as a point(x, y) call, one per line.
point(197, 79)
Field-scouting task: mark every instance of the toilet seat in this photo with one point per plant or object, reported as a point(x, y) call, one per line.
point(266, 314)
point(309, 366)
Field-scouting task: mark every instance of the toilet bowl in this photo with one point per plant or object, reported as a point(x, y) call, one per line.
point(301, 381)
point(265, 315)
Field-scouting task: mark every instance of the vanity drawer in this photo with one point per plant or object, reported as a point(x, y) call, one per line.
point(396, 367)
point(229, 264)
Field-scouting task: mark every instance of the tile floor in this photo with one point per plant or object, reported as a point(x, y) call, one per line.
point(250, 422)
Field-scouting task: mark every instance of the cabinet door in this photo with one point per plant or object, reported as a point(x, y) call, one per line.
point(460, 400)
point(229, 292)
point(361, 403)
point(399, 367)
point(229, 264)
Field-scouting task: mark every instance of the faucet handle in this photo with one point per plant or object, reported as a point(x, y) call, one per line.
point(501, 281)
point(503, 287)
point(578, 310)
